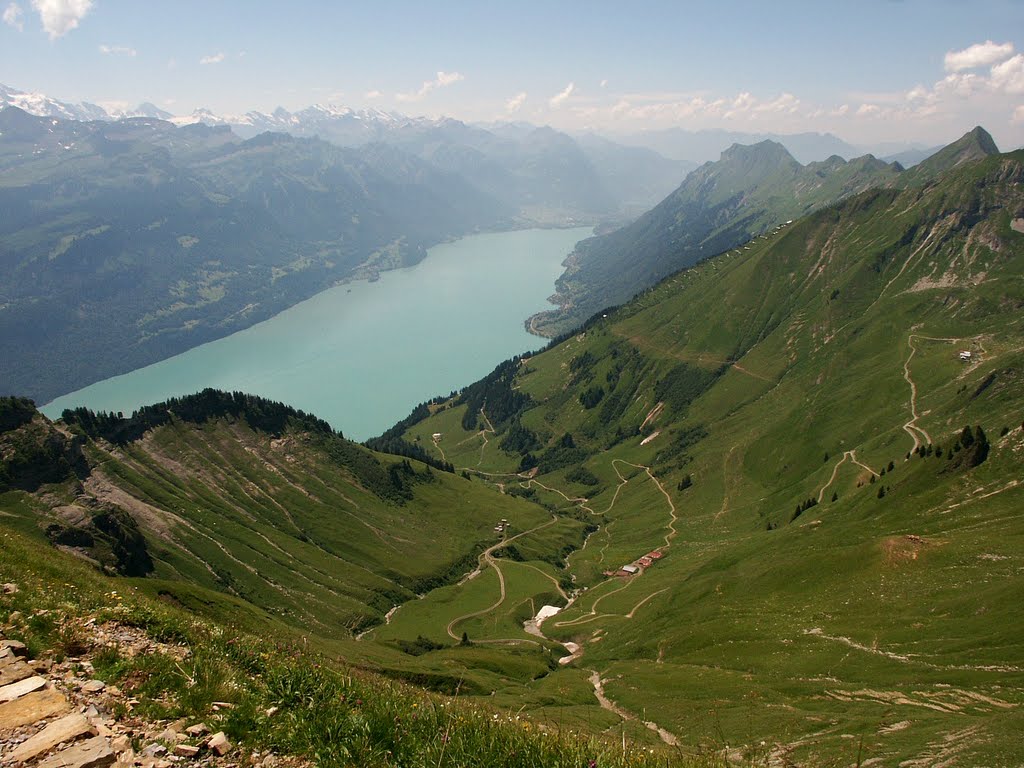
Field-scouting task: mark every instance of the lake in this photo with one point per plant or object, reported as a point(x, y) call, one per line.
point(363, 354)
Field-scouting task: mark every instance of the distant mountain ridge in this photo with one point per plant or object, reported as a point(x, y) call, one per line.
point(722, 205)
point(123, 243)
point(548, 175)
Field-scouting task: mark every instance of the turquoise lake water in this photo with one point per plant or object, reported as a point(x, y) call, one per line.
point(362, 355)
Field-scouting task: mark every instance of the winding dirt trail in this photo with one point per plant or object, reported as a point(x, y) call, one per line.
point(606, 703)
point(486, 558)
point(852, 456)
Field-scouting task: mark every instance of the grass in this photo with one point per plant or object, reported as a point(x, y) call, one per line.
point(822, 635)
point(326, 713)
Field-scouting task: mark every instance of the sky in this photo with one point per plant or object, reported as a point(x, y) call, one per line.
point(920, 71)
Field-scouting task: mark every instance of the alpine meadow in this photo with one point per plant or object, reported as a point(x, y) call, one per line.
point(755, 498)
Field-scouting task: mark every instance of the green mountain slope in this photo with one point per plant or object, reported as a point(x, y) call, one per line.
point(835, 493)
point(817, 499)
point(720, 206)
point(238, 495)
point(124, 243)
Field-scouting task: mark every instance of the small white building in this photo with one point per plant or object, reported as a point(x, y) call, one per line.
point(965, 355)
point(630, 569)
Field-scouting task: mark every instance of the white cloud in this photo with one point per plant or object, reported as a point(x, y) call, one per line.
point(442, 80)
point(61, 16)
point(513, 104)
point(961, 84)
point(868, 110)
point(1018, 115)
point(978, 55)
point(216, 58)
point(117, 50)
point(373, 94)
point(13, 17)
point(559, 98)
point(919, 93)
point(787, 103)
point(1009, 76)
point(743, 102)
point(604, 83)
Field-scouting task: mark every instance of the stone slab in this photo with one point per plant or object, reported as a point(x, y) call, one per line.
point(31, 708)
point(67, 728)
point(14, 671)
point(91, 753)
point(20, 688)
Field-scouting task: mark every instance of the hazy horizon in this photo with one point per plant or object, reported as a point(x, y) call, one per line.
point(883, 72)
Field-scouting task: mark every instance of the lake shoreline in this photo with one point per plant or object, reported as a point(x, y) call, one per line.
point(349, 350)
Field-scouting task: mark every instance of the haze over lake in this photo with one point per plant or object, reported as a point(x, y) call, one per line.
point(361, 355)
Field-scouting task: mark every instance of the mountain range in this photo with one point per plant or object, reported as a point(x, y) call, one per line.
point(772, 502)
point(126, 242)
point(722, 205)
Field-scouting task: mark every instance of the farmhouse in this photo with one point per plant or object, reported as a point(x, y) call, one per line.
point(965, 355)
point(630, 569)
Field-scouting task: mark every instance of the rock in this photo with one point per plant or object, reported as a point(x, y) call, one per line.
point(153, 750)
point(113, 690)
point(270, 761)
point(91, 711)
point(10, 588)
point(20, 688)
point(68, 728)
point(185, 750)
point(271, 711)
point(93, 686)
point(199, 729)
point(15, 647)
point(14, 671)
point(32, 708)
point(14, 617)
point(121, 743)
point(169, 735)
point(222, 705)
point(219, 744)
point(92, 753)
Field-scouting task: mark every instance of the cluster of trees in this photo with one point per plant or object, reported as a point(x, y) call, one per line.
point(259, 413)
point(683, 384)
point(33, 452)
point(591, 396)
point(519, 439)
point(420, 645)
point(582, 475)
point(803, 507)
point(970, 450)
point(398, 446)
point(495, 392)
point(15, 411)
point(562, 454)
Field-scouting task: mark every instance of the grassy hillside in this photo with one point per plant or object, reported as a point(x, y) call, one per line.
point(266, 505)
point(777, 510)
point(833, 491)
point(721, 205)
point(271, 691)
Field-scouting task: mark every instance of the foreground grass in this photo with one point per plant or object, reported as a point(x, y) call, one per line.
point(283, 696)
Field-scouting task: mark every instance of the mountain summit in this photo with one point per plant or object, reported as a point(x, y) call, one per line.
point(976, 144)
